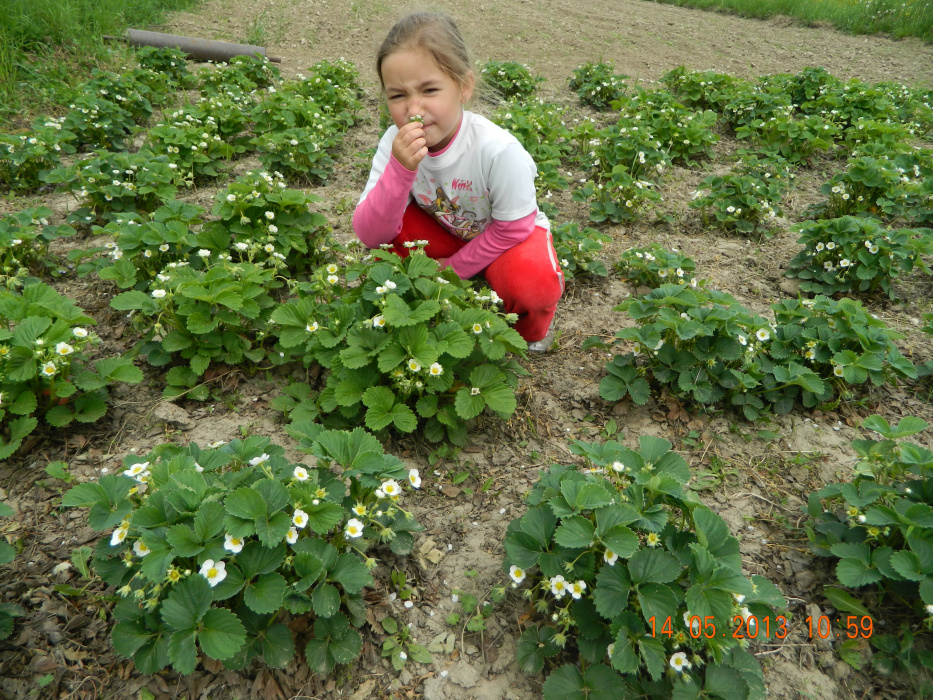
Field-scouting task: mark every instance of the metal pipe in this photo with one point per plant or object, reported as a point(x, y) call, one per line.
point(200, 49)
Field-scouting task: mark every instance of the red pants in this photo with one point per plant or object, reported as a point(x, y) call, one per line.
point(527, 276)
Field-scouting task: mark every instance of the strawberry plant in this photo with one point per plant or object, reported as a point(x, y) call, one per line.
point(884, 182)
point(738, 203)
point(26, 158)
point(540, 128)
point(126, 90)
point(209, 549)
point(98, 123)
point(652, 266)
point(628, 575)
point(683, 134)
point(508, 80)
point(855, 254)
point(111, 184)
point(596, 85)
point(142, 247)
point(878, 525)
point(268, 221)
point(170, 61)
point(301, 154)
point(703, 89)
point(706, 348)
point(576, 250)
point(45, 367)
point(405, 346)
point(24, 243)
point(335, 87)
point(212, 310)
point(240, 77)
point(797, 139)
point(193, 146)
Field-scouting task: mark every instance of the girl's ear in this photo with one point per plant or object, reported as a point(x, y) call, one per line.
point(466, 87)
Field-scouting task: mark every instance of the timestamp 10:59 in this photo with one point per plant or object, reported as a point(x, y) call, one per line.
point(750, 627)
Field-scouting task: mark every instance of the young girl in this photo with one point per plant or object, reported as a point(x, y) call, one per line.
point(455, 179)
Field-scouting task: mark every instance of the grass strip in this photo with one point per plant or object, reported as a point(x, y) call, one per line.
point(897, 18)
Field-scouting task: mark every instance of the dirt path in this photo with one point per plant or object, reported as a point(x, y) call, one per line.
point(752, 483)
point(644, 39)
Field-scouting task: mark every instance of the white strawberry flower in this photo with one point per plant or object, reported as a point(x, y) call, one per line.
point(233, 544)
point(256, 461)
point(414, 365)
point(214, 572)
point(558, 586)
point(379, 321)
point(414, 478)
point(436, 369)
point(79, 332)
point(299, 518)
point(140, 549)
point(291, 536)
point(119, 534)
point(300, 473)
point(577, 588)
point(517, 575)
point(158, 293)
point(63, 349)
point(391, 488)
point(679, 662)
point(354, 528)
point(610, 557)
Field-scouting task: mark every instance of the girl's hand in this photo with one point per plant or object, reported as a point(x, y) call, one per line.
point(410, 146)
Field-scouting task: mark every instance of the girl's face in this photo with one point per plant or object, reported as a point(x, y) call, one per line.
point(416, 86)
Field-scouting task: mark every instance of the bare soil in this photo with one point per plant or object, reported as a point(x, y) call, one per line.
point(758, 484)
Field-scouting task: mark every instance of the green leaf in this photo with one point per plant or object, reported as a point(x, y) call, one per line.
point(620, 540)
point(278, 647)
point(271, 531)
point(658, 601)
point(325, 599)
point(566, 683)
point(653, 654)
point(909, 425)
point(843, 600)
point(245, 503)
point(383, 410)
point(265, 595)
point(183, 540)
point(853, 573)
point(222, 634)
point(209, 520)
point(350, 573)
point(653, 566)
point(534, 646)
point(907, 564)
point(186, 604)
point(182, 651)
point(725, 683)
point(129, 637)
point(613, 586)
point(591, 496)
point(469, 404)
point(575, 532)
point(324, 516)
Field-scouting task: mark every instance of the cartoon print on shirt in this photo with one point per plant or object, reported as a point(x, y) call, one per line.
point(448, 211)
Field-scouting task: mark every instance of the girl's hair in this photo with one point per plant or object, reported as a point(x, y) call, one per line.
point(433, 32)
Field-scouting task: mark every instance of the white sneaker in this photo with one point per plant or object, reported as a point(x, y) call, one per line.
point(545, 343)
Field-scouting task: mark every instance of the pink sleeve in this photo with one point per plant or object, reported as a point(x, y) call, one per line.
point(378, 218)
point(498, 237)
